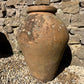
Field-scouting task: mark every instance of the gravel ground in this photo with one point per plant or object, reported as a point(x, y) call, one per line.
point(13, 70)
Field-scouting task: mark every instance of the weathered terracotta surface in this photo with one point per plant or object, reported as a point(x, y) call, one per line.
point(43, 39)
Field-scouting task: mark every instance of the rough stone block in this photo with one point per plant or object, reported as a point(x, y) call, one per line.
point(74, 39)
point(82, 36)
point(81, 10)
point(8, 29)
point(79, 31)
point(78, 24)
point(76, 61)
point(1, 21)
point(75, 30)
point(80, 53)
point(0, 6)
point(74, 49)
point(54, 1)
point(82, 40)
point(11, 12)
point(66, 0)
point(38, 2)
point(1, 28)
point(13, 22)
point(1, 15)
point(82, 4)
point(30, 2)
point(77, 20)
point(14, 2)
point(70, 7)
point(24, 11)
point(3, 6)
point(64, 17)
point(56, 5)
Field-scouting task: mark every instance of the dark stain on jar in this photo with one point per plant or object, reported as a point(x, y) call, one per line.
point(33, 22)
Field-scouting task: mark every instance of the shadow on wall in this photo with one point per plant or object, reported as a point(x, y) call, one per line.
point(66, 60)
point(5, 47)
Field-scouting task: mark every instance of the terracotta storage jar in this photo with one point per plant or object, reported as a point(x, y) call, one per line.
point(43, 39)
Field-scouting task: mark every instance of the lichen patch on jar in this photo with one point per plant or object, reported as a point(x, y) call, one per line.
point(32, 20)
point(53, 26)
point(23, 29)
point(36, 19)
point(29, 33)
point(39, 21)
point(60, 27)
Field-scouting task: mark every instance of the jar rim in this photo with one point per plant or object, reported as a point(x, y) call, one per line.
point(41, 8)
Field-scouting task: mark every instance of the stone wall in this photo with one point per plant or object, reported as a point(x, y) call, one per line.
point(71, 12)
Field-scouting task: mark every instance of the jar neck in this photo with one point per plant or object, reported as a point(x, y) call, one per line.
point(42, 8)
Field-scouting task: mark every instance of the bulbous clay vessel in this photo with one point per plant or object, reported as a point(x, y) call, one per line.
point(43, 39)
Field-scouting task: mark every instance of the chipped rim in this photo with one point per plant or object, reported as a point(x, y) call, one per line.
point(42, 8)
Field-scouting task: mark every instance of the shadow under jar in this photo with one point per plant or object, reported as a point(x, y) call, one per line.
point(43, 39)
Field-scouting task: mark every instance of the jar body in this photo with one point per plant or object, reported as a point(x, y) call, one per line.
point(43, 39)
